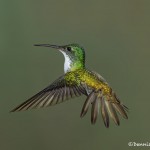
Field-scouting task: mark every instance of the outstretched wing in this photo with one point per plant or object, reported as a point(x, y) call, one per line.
point(57, 92)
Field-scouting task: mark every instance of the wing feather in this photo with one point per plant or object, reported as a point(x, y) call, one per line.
point(57, 92)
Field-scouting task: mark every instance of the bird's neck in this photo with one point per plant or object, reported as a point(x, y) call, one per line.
point(72, 64)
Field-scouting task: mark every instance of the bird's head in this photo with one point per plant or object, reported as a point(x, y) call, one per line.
point(74, 55)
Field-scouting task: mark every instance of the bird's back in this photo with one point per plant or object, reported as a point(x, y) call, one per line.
point(90, 78)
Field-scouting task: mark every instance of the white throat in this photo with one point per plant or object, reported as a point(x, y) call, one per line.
point(67, 64)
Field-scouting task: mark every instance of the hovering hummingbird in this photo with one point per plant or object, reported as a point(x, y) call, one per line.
point(76, 81)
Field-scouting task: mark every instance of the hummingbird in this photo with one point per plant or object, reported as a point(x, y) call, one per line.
point(77, 80)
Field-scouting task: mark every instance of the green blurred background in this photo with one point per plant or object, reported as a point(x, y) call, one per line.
point(116, 37)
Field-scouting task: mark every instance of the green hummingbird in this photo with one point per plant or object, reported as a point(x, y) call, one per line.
point(76, 81)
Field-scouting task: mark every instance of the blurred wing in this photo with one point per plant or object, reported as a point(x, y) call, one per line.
point(55, 93)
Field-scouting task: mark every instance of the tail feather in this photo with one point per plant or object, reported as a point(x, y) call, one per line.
point(112, 112)
point(109, 105)
point(121, 109)
point(104, 113)
point(94, 110)
point(87, 104)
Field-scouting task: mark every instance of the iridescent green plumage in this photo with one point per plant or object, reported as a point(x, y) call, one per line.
point(76, 81)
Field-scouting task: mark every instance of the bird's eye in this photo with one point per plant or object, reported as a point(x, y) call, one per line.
point(69, 48)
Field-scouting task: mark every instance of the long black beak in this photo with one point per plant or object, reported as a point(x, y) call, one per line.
point(48, 45)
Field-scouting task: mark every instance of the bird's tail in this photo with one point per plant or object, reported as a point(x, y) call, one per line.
point(109, 105)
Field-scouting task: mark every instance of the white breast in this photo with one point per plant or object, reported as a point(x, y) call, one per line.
point(67, 64)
